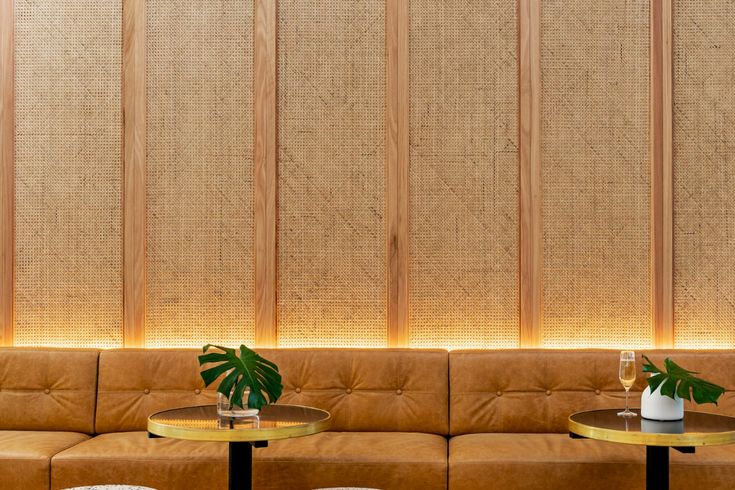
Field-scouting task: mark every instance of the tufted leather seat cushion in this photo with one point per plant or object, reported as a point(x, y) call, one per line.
point(385, 460)
point(134, 383)
point(48, 389)
point(386, 398)
point(535, 391)
point(369, 389)
point(557, 462)
point(132, 458)
point(25, 457)
point(381, 460)
point(363, 389)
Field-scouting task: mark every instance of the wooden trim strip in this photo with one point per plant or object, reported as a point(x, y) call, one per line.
point(397, 161)
point(266, 168)
point(134, 168)
point(531, 244)
point(662, 230)
point(7, 169)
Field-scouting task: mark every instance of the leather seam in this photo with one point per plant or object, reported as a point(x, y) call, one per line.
point(76, 459)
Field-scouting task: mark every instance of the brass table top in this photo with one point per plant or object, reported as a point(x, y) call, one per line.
point(697, 429)
point(202, 423)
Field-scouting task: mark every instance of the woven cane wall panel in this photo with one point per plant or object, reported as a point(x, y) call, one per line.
point(331, 235)
point(704, 172)
point(200, 182)
point(68, 271)
point(463, 193)
point(596, 183)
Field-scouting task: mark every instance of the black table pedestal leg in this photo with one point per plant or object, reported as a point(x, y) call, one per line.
point(241, 466)
point(657, 468)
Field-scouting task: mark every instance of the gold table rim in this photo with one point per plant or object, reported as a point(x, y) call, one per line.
point(238, 435)
point(646, 439)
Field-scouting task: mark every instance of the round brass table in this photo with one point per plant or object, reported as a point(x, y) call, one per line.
point(273, 422)
point(697, 429)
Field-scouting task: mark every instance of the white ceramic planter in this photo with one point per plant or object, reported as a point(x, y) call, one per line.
point(655, 406)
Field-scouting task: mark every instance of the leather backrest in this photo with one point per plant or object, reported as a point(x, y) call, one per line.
point(363, 389)
point(48, 389)
point(135, 383)
point(369, 389)
point(536, 390)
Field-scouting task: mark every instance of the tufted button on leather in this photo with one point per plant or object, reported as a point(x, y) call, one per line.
point(146, 391)
point(597, 392)
point(298, 390)
point(197, 391)
point(399, 391)
point(498, 393)
point(47, 391)
point(348, 390)
point(548, 392)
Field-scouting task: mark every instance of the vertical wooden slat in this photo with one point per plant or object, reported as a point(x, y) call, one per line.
point(7, 171)
point(265, 163)
point(662, 236)
point(397, 157)
point(134, 165)
point(531, 252)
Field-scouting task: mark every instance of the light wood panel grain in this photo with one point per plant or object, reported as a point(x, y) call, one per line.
point(7, 174)
point(397, 161)
point(134, 164)
point(265, 161)
point(531, 239)
point(662, 232)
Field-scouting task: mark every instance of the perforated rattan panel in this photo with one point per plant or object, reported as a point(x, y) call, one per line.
point(704, 172)
point(200, 183)
point(68, 271)
point(596, 182)
point(331, 176)
point(463, 226)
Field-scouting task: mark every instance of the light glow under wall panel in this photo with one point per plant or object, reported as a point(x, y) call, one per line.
point(331, 173)
point(463, 180)
point(200, 276)
point(704, 173)
point(68, 173)
point(596, 174)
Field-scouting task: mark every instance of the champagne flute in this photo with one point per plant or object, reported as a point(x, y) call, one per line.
point(627, 378)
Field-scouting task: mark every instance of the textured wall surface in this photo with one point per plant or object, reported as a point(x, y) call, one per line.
point(596, 183)
point(200, 178)
point(463, 269)
point(68, 271)
point(331, 175)
point(463, 222)
point(704, 173)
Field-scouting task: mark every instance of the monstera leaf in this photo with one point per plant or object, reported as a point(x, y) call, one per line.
point(248, 370)
point(679, 381)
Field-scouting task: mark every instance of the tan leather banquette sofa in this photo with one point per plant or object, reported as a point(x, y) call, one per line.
point(403, 419)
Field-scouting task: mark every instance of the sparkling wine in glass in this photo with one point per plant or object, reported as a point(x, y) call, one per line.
point(627, 378)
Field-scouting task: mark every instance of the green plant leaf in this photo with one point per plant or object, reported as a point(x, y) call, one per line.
point(679, 381)
point(649, 367)
point(706, 392)
point(684, 390)
point(655, 381)
point(674, 369)
point(248, 370)
point(668, 388)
